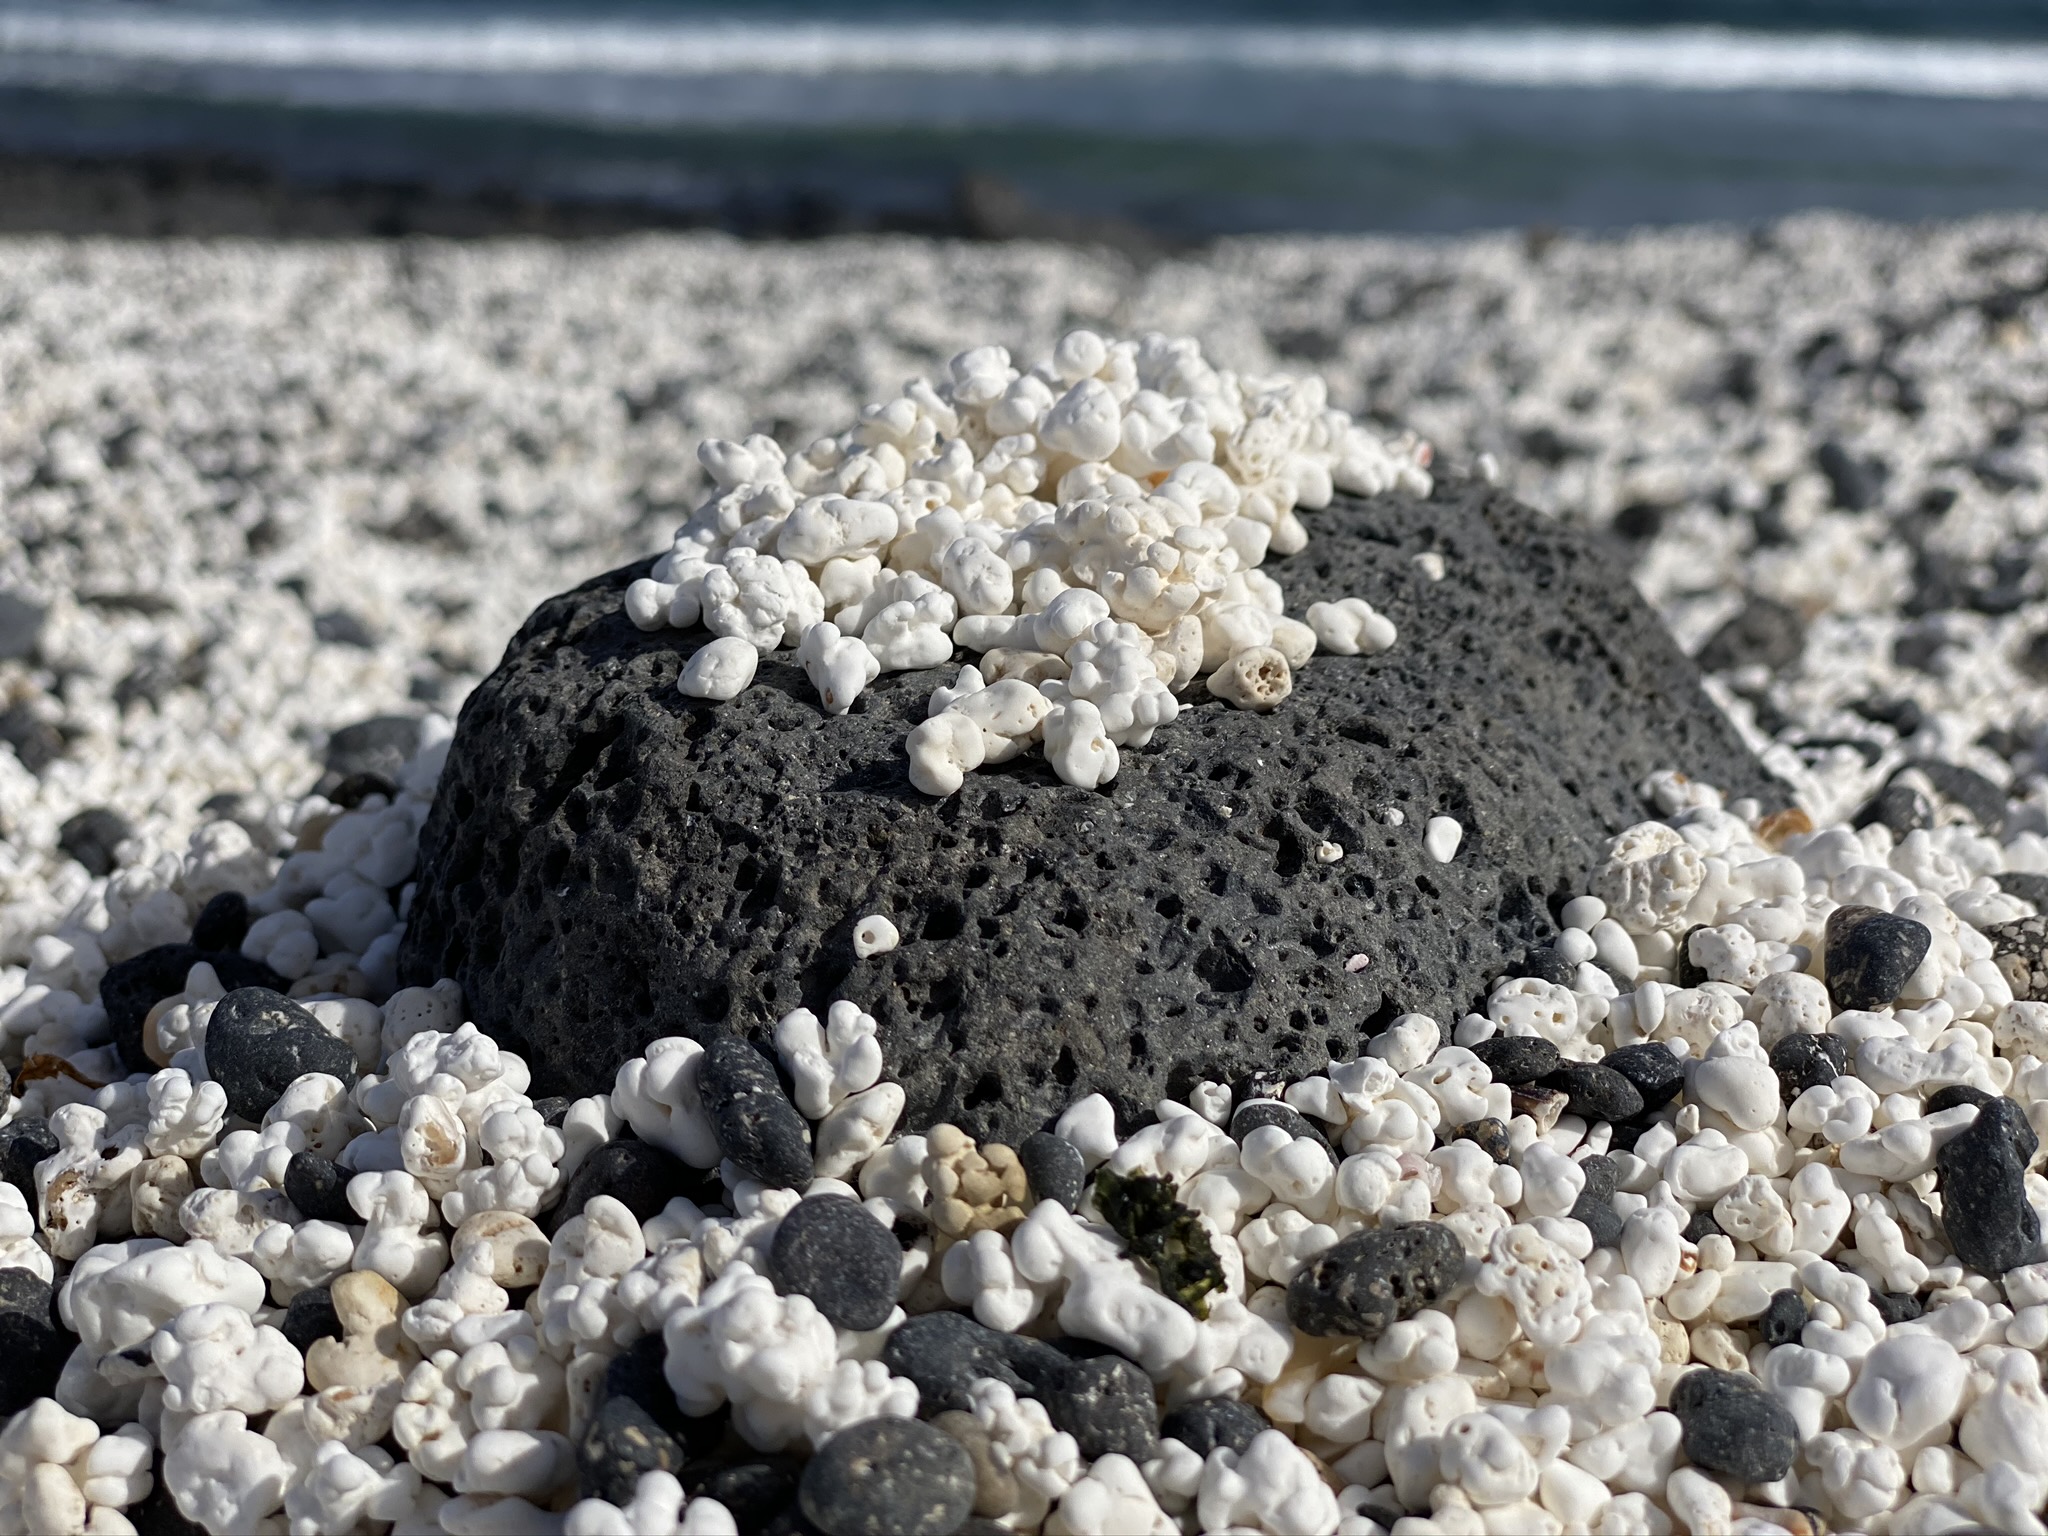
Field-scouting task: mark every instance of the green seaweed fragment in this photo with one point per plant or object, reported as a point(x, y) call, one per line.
point(1164, 1233)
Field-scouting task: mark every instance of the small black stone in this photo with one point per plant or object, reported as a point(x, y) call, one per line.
point(1871, 955)
point(1981, 1174)
point(757, 1127)
point(1732, 1425)
point(1055, 1168)
point(1896, 1306)
point(2027, 887)
point(1253, 1113)
point(553, 1109)
point(638, 1174)
point(318, 1188)
point(33, 1345)
point(337, 626)
point(638, 1373)
point(1784, 1319)
point(1107, 1405)
point(380, 745)
point(135, 985)
point(1372, 1279)
point(24, 1142)
point(1657, 1074)
point(1595, 1092)
point(1489, 1135)
point(945, 1353)
point(258, 1042)
point(1857, 483)
point(1547, 965)
point(1598, 1218)
point(888, 1477)
point(1515, 1059)
point(223, 922)
point(21, 625)
point(92, 836)
point(310, 1318)
point(832, 1250)
point(754, 1492)
point(1764, 633)
point(1804, 1061)
point(1900, 807)
point(1702, 1225)
point(620, 1442)
point(1688, 971)
point(1954, 1094)
point(1208, 1422)
point(358, 787)
point(1600, 1175)
point(1903, 715)
point(1962, 787)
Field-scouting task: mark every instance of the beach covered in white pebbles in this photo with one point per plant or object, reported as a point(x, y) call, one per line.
point(252, 494)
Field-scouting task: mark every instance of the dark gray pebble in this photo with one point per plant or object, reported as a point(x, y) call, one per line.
point(1688, 971)
point(620, 1442)
point(830, 1249)
point(1107, 1405)
point(944, 1353)
point(21, 624)
point(1784, 1319)
point(888, 1477)
point(553, 1109)
point(1514, 1059)
point(1732, 1425)
point(754, 1492)
point(318, 1189)
point(1253, 1113)
point(1804, 1061)
point(135, 985)
point(638, 1174)
point(2026, 886)
point(310, 1318)
point(91, 837)
point(638, 1373)
point(1965, 788)
point(1372, 1279)
point(1055, 1168)
point(1981, 1174)
point(1657, 1074)
point(24, 1142)
point(33, 1345)
point(1702, 1225)
point(1596, 1092)
point(2019, 948)
point(379, 745)
point(1489, 1135)
point(758, 1129)
point(358, 787)
point(1871, 955)
point(1764, 633)
point(1900, 807)
point(222, 923)
point(1896, 1306)
point(1954, 1094)
point(1595, 1205)
point(1546, 965)
point(1208, 1422)
point(258, 1042)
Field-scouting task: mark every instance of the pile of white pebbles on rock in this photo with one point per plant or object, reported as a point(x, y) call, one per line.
point(1093, 527)
point(1726, 1221)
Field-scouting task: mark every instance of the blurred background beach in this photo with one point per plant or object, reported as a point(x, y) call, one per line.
point(1133, 123)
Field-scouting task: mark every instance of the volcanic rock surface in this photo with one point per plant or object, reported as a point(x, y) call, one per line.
point(609, 861)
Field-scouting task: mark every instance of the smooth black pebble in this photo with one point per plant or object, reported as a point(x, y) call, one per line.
point(1055, 1168)
point(1982, 1177)
point(1515, 1059)
point(1730, 1424)
point(1656, 1073)
point(1784, 1319)
point(1489, 1135)
point(1203, 1425)
point(222, 923)
point(310, 1318)
point(945, 1353)
point(1595, 1092)
point(832, 1250)
point(888, 1477)
point(91, 837)
point(757, 1127)
point(133, 986)
point(1804, 1061)
point(637, 1174)
point(1871, 955)
point(24, 1143)
point(1372, 1279)
point(318, 1189)
point(1249, 1116)
point(1107, 1405)
point(620, 1442)
point(259, 1042)
point(33, 1346)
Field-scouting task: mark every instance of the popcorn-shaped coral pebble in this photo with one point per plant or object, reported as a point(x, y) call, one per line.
point(973, 1188)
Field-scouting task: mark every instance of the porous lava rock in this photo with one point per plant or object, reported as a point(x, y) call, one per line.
point(608, 861)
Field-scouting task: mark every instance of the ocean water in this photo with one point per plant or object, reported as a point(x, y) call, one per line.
point(1191, 119)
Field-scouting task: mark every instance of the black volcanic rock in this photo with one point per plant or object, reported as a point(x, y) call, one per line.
point(609, 861)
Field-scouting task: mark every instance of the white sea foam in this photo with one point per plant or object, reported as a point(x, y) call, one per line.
point(67, 46)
